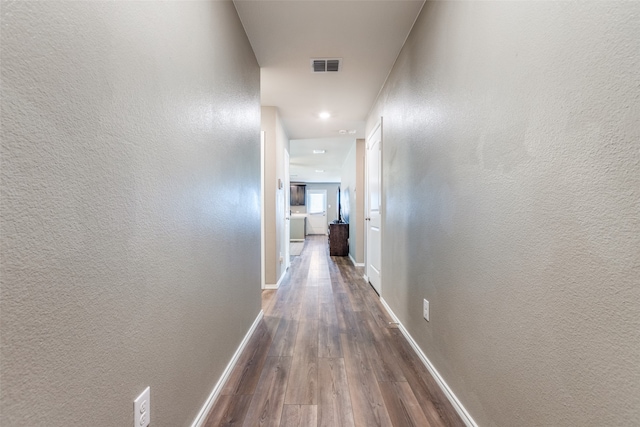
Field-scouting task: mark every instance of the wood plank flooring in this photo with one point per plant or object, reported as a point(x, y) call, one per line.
point(327, 354)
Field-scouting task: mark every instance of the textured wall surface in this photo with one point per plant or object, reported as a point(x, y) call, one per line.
point(276, 142)
point(512, 203)
point(348, 184)
point(282, 145)
point(352, 180)
point(129, 208)
point(268, 125)
point(359, 196)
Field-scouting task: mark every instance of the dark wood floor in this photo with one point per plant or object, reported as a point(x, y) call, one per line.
point(327, 354)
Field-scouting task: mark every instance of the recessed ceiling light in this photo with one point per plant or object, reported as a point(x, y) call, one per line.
point(353, 131)
point(319, 170)
point(324, 115)
point(319, 151)
point(342, 131)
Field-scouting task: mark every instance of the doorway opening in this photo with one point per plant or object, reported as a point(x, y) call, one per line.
point(317, 211)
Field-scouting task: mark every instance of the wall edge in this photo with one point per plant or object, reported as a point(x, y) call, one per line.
point(213, 396)
point(271, 286)
point(457, 405)
point(355, 264)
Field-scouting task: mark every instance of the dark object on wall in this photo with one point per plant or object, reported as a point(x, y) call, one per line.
point(338, 239)
point(338, 205)
point(298, 195)
point(344, 206)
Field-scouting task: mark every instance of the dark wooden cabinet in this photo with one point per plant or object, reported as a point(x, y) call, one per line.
point(338, 239)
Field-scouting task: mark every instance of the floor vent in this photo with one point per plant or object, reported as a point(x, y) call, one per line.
point(326, 65)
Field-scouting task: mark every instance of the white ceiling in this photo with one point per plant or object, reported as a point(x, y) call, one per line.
point(305, 165)
point(285, 35)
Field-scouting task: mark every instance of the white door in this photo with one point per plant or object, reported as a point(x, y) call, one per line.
point(287, 213)
point(373, 203)
point(316, 211)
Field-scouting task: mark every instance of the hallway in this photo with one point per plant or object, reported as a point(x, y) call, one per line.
point(327, 354)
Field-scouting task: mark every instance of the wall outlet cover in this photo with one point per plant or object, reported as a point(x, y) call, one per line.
point(142, 409)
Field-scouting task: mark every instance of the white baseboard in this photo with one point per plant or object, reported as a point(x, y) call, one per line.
point(277, 285)
point(208, 404)
point(457, 405)
point(356, 264)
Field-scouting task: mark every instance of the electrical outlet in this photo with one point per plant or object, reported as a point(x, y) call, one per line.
point(425, 310)
point(142, 409)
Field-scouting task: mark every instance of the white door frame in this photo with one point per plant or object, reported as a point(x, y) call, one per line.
point(262, 225)
point(287, 213)
point(379, 211)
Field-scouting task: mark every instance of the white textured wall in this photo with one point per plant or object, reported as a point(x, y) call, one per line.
point(512, 203)
point(129, 208)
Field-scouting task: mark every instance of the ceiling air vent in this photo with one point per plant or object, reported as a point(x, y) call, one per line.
point(326, 65)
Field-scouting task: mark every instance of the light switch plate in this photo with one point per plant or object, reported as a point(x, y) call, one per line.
point(425, 310)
